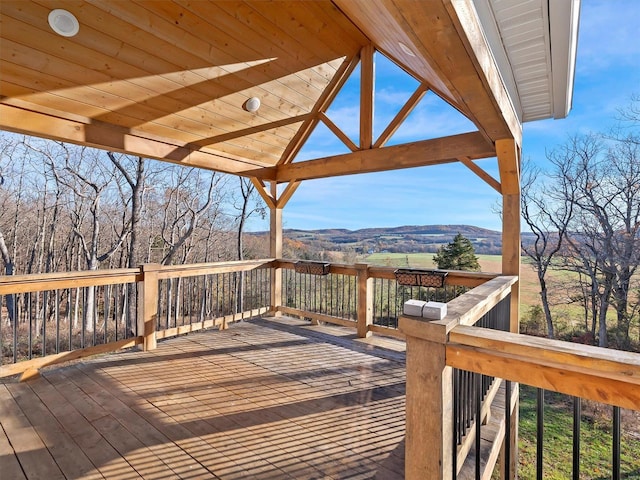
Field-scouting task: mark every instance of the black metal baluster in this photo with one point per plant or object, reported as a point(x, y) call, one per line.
point(539, 432)
point(577, 415)
point(455, 421)
point(478, 399)
point(30, 336)
point(507, 433)
point(69, 316)
point(15, 329)
point(45, 298)
point(616, 444)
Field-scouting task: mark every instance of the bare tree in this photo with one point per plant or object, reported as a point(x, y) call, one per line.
point(547, 210)
point(247, 205)
point(88, 180)
point(185, 207)
point(603, 233)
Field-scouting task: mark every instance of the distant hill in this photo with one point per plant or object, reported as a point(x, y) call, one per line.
point(404, 239)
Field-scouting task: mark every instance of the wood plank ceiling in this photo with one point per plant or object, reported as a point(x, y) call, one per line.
point(168, 79)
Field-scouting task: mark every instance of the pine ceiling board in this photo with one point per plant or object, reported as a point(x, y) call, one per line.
point(94, 104)
point(280, 98)
point(316, 25)
point(389, 33)
point(169, 105)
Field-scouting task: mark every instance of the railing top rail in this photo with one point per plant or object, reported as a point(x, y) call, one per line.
point(195, 269)
point(466, 309)
point(454, 277)
point(601, 374)
point(10, 284)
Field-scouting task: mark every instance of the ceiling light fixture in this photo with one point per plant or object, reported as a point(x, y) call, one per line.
point(63, 22)
point(252, 105)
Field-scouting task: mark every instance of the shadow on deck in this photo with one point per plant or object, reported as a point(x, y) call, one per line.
point(264, 399)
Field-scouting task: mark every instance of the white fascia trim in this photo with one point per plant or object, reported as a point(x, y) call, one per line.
point(563, 27)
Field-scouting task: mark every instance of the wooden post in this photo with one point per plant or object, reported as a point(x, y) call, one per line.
point(429, 402)
point(148, 318)
point(509, 163)
point(365, 300)
point(275, 242)
point(367, 89)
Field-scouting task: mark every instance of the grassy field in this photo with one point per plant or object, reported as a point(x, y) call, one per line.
point(595, 439)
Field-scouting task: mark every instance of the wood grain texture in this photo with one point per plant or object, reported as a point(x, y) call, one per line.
point(260, 400)
point(603, 375)
point(168, 80)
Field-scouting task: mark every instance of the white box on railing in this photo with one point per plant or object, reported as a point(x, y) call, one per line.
point(434, 310)
point(413, 308)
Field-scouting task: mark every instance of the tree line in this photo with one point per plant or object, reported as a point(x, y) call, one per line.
point(65, 207)
point(584, 212)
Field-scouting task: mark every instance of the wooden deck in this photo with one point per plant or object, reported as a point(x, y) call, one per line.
point(263, 399)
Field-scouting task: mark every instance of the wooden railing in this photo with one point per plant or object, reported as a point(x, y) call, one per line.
point(439, 351)
point(462, 371)
point(51, 318)
point(365, 297)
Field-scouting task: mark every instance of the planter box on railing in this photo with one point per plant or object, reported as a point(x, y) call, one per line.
point(312, 268)
point(420, 278)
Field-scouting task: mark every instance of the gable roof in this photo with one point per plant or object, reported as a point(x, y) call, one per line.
point(170, 80)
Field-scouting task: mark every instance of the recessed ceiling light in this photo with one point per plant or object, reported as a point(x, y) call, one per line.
point(406, 49)
point(252, 105)
point(63, 22)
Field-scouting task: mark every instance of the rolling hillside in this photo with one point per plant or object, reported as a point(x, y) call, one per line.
point(404, 239)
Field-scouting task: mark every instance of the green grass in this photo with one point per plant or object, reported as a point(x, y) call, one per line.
point(595, 438)
point(423, 260)
point(402, 260)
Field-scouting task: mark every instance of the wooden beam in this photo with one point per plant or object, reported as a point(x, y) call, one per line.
point(275, 250)
point(444, 47)
point(262, 190)
point(475, 168)
point(401, 116)
point(508, 162)
point(327, 96)
point(337, 131)
point(427, 152)
point(250, 131)
point(288, 192)
point(101, 135)
point(367, 92)
point(507, 152)
point(603, 375)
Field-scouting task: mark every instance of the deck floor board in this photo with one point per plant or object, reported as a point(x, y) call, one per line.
point(263, 399)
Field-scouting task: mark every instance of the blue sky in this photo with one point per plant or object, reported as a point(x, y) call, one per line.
point(607, 74)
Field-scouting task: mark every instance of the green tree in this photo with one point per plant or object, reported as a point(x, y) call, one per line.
point(457, 255)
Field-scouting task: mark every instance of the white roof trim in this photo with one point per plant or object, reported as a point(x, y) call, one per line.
point(534, 44)
point(564, 46)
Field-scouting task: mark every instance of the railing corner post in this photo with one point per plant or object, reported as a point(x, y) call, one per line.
point(148, 318)
point(429, 401)
point(365, 300)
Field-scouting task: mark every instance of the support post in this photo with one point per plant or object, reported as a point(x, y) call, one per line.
point(275, 248)
point(429, 401)
point(508, 154)
point(365, 300)
point(148, 318)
